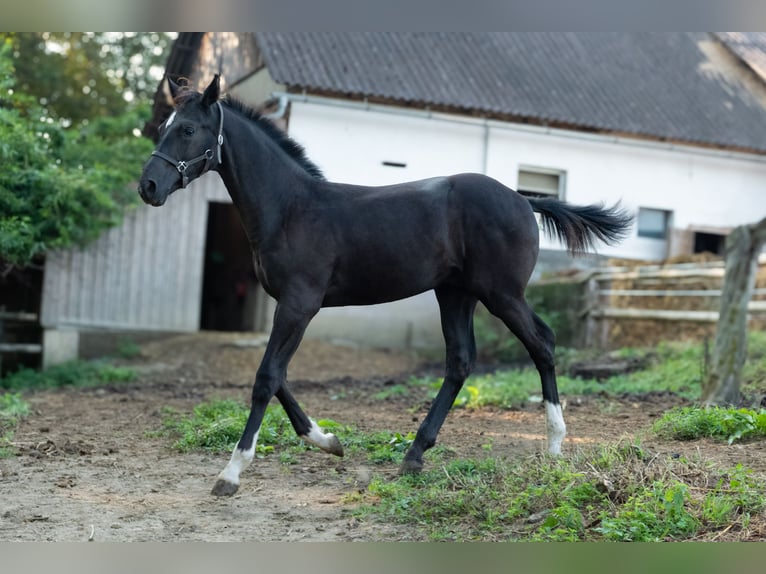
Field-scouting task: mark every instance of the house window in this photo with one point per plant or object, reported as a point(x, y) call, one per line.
point(709, 243)
point(653, 223)
point(541, 182)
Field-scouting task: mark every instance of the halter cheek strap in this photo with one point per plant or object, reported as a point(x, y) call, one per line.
point(207, 155)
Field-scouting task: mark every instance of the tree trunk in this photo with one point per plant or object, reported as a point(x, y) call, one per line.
point(723, 380)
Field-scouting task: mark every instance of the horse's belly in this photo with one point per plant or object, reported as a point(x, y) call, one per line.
point(382, 286)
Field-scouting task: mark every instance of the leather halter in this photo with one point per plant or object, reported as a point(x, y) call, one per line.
point(207, 155)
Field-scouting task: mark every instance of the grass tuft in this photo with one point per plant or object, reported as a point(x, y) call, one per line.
point(12, 409)
point(615, 493)
point(731, 424)
point(217, 426)
point(671, 367)
point(73, 373)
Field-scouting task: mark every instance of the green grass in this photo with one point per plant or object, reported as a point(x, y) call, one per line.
point(74, 373)
point(670, 367)
point(128, 349)
point(615, 493)
point(217, 426)
point(730, 424)
point(12, 409)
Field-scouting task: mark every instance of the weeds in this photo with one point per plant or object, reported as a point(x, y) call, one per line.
point(619, 493)
point(128, 349)
point(12, 409)
point(671, 367)
point(731, 424)
point(74, 373)
point(217, 426)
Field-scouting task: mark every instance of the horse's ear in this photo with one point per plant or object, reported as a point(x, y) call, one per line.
point(212, 92)
point(172, 90)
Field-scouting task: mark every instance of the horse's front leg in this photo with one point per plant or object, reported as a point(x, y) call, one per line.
point(290, 321)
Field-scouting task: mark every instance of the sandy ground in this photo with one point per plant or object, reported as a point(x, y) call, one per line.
point(88, 468)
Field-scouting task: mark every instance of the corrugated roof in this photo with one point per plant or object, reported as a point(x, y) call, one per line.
point(675, 86)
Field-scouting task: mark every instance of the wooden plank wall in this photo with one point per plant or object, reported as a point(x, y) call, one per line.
point(143, 275)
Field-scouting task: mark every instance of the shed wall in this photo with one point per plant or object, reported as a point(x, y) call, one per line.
point(143, 275)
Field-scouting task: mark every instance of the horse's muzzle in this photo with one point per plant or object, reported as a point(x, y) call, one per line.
point(147, 189)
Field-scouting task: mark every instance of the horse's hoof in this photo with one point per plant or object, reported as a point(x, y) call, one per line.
point(335, 447)
point(410, 467)
point(224, 488)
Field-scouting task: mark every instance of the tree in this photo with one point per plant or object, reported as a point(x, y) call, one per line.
point(723, 380)
point(77, 76)
point(62, 182)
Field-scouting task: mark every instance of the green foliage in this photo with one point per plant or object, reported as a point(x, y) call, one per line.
point(217, 426)
point(689, 423)
point(12, 409)
point(128, 349)
point(605, 493)
point(78, 76)
point(670, 367)
point(61, 186)
point(380, 447)
point(73, 373)
point(397, 390)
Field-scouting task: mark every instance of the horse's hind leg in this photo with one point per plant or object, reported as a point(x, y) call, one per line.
point(539, 340)
point(456, 308)
point(305, 427)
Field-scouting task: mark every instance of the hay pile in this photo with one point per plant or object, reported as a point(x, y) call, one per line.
point(642, 332)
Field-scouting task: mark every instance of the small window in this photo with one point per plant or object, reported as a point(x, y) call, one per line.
point(541, 182)
point(709, 243)
point(653, 223)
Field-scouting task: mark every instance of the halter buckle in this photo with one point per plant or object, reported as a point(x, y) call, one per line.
point(181, 167)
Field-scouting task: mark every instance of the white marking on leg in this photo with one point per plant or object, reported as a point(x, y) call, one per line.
point(239, 461)
point(557, 429)
point(319, 438)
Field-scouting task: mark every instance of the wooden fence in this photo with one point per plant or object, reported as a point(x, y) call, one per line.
point(642, 305)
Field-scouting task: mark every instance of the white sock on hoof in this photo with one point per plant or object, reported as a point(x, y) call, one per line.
point(557, 429)
point(239, 461)
point(318, 437)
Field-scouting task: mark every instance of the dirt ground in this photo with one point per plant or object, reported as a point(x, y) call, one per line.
point(88, 469)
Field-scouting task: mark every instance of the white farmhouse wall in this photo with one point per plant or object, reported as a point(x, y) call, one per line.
point(699, 187)
point(350, 142)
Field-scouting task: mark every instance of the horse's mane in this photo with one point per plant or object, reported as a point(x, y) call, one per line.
point(285, 142)
point(288, 145)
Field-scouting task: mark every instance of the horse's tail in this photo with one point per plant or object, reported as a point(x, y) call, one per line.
point(579, 226)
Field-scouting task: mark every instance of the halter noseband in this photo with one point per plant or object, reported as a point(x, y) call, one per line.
point(206, 156)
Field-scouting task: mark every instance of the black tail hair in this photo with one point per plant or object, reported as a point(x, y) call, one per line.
point(579, 226)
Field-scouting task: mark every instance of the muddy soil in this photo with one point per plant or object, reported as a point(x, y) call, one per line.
point(88, 467)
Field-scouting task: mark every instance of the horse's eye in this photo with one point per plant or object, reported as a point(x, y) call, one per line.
point(188, 131)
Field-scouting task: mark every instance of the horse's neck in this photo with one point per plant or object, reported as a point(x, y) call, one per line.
point(260, 180)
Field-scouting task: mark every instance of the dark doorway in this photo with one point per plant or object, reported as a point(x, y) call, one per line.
point(229, 285)
point(709, 242)
point(20, 330)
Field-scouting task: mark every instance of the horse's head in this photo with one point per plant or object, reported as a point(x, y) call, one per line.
point(190, 143)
